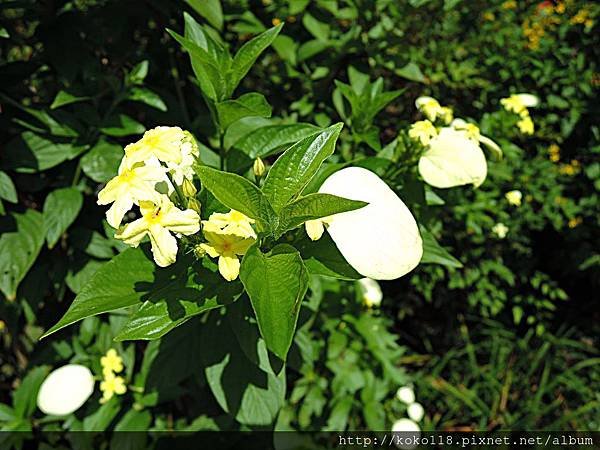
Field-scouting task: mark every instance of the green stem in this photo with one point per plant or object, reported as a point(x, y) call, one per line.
point(180, 196)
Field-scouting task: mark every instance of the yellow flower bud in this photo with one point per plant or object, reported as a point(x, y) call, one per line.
point(188, 188)
point(259, 167)
point(194, 205)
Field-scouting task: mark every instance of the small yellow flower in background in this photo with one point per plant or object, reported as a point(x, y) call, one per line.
point(162, 142)
point(488, 16)
point(509, 4)
point(110, 386)
point(370, 292)
point(423, 131)
point(514, 197)
point(472, 132)
point(275, 21)
point(111, 362)
point(430, 107)
point(518, 103)
point(446, 114)
point(134, 182)
point(525, 125)
point(157, 221)
point(574, 222)
point(560, 7)
point(570, 169)
point(554, 152)
point(500, 230)
point(225, 246)
point(233, 222)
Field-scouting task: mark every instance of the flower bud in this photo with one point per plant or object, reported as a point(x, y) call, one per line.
point(406, 395)
point(188, 188)
point(258, 167)
point(194, 205)
point(199, 251)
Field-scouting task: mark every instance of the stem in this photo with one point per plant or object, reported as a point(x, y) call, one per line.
point(180, 196)
point(222, 152)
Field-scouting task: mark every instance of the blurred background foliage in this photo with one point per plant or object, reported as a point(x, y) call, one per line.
point(507, 341)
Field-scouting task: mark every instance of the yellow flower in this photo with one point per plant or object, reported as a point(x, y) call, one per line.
point(518, 103)
point(370, 292)
point(233, 222)
point(500, 230)
point(157, 220)
point(111, 362)
point(275, 21)
point(446, 114)
point(569, 169)
point(430, 107)
point(162, 142)
point(554, 151)
point(134, 182)
point(488, 16)
point(110, 386)
point(514, 197)
point(509, 4)
point(423, 131)
point(472, 132)
point(574, 222)
point(183, 170)
point(226, 247)
point(525, 125)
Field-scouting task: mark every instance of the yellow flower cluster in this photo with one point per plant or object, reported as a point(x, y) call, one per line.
point(112, 384)
point(574, 222)
point(228, 236)
point(509, 4)
point(432, 109)
point(582, 17)
point(154, 169)
point(514, 197)
point(570, 169)
point(554, 153)
point(519, 104)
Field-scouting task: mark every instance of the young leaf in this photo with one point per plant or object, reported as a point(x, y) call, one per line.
point(276, 284)
point(21, 239)
point(121, 282)
point(209, 9)
point(434, 253)
point(237, 193)
point(205, 67)
point(252, 104)
point(64, 98)
point(60, 210)
point(145, 95)
point(122, 125)
point(294, 169)
point(247, 55)
point(314, 206)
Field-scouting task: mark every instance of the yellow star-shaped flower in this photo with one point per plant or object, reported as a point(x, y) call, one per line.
point(234, 222)
point(111, 362)
point(157, 221)
point(227, 247)
point(162, 142)
point(110, 386)
point(423, 131)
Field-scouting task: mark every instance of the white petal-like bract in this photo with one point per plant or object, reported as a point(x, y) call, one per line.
point(453, 159)
point(381, 240)
point(415, 411)
point(406, 394)
point(65, 390)
point(528, 100)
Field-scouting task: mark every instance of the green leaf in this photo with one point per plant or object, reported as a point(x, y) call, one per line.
point(322, 257)
point(411, 72)
point(102, 162)
point(103, 416)
point(64, 98)
point(21, 239)
point(265, 140)
point(122, 125)
point(138, 73)
point(121, 282)
point(247, 55)
point(31, 152)
point(192, 292)
point(276, 284)
point(209, 9)
point(434, 253)
point(252, 104)
point(145, 95)
point(25, 396)
point(294, 169)
point(314, 206)
point(205, 67)
point(319, 30)
point(237, 193)
point(7, 188)
point(242, 382)
point(60, 210)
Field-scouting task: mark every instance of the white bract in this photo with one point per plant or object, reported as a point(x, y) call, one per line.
point(453, 159)
point(65, 390)
point(410, 432)
point(381, 240)
point(415, 411)
point(406, 395)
